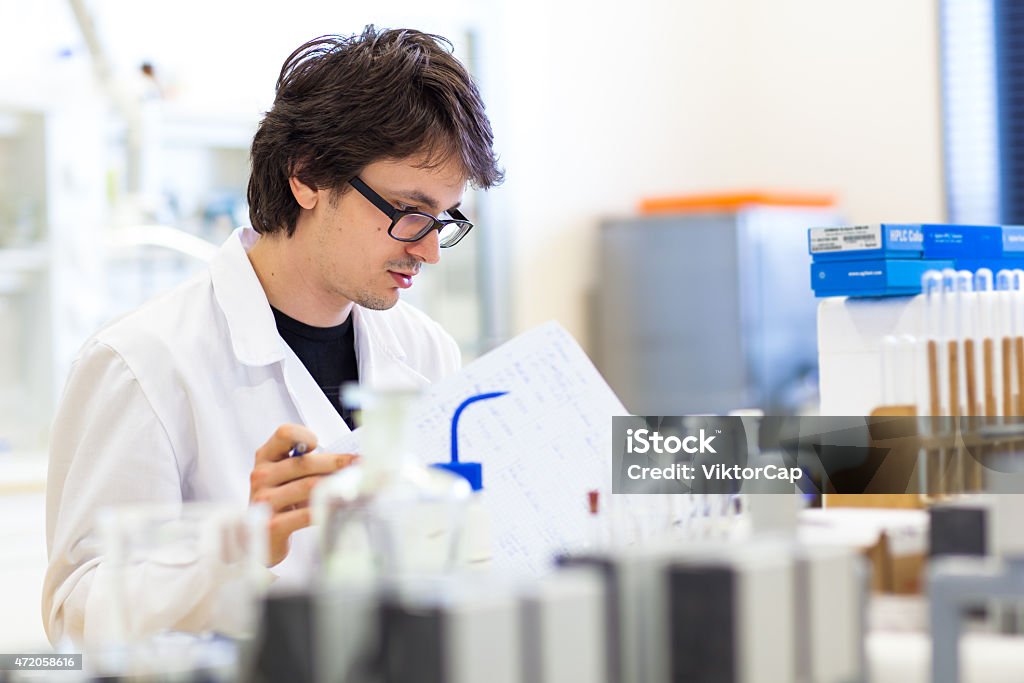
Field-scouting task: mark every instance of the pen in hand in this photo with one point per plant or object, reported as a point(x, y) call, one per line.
point(298, 449)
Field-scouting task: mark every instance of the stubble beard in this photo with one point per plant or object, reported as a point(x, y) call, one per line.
point(375, 302)
point(381, 302)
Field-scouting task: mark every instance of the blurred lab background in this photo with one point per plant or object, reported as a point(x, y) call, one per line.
point(664, 160)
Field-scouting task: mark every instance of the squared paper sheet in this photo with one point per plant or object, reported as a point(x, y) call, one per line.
point(543, 445)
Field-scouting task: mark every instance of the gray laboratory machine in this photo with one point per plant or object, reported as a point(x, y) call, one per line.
point(705, 313)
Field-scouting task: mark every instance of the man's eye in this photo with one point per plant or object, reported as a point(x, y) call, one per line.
point(406, 208)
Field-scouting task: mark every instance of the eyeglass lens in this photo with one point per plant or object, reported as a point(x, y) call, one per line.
point(412, 226)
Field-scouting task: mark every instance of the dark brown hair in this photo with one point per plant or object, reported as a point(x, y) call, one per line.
point(345, 102)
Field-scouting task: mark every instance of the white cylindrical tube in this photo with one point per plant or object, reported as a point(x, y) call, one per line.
point(931, 289)
point(1002, 335)
point(948, 279)
point(964, 339)
point(931, 286)
point(948, 372)
point(984, 285)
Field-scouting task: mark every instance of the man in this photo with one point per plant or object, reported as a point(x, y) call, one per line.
point(357, 173)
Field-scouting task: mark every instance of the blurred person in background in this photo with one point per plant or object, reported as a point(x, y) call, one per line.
point(358, 170)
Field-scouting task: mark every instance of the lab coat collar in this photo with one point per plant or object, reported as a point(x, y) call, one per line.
point(254, 337)
point(375, 329)
point(380, 352)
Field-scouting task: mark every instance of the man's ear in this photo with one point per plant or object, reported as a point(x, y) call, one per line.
point(305, 195)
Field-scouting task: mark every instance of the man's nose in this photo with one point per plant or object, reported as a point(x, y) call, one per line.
point(426, 250)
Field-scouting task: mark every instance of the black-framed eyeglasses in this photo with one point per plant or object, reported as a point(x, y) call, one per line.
point(412, 226)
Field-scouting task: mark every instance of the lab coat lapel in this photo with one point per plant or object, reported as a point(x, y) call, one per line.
point(255, 339)
point(380, 353)
point(316, 411)
point(380, 357)
point(251, 326)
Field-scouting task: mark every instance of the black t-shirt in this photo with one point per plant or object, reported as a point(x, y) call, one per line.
point(329, 353)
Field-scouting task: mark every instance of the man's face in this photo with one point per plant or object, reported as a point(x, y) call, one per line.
point(345, 239)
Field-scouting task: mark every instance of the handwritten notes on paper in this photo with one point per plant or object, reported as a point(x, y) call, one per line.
point(542, 446)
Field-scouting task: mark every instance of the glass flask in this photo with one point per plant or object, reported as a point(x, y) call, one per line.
point(389, 516)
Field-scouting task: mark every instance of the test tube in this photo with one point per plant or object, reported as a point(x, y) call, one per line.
point(983, 280)
point(946, 337)
point(964, 374)
point(948, 279)
point(1017, 327)
point(967, 399)
point(983, 284)
point(931, 286)
point(948, 356)
point(985, 334)
point(1004, 279)
point(1004, 332)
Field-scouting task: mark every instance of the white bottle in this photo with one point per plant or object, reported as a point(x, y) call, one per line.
point(475, 551)
point(389, 517)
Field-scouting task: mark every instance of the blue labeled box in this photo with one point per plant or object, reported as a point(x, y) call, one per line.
point(861, 242)
point(962, 241)
point(1013, 241)
point(872, 277)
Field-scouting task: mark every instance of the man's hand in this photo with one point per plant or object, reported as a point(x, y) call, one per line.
point(285, 483)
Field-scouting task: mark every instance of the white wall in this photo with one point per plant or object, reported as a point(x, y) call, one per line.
point(850, 101)
point(607, 106)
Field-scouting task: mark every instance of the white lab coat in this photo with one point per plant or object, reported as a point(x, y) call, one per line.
point(170, 403)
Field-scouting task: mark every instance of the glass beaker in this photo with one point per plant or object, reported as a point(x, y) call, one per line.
point(185, 582)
